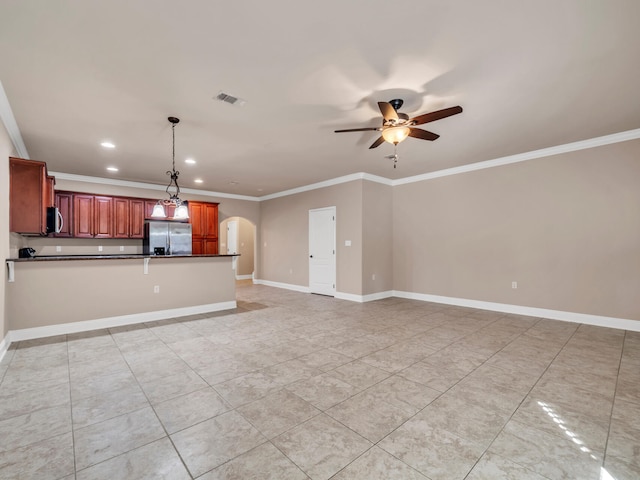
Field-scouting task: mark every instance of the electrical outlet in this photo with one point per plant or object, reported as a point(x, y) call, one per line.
point(100, 248)
point(156, 289)
point(514, 284)
point(373, 277)
point(122, 248)
point(58, 248)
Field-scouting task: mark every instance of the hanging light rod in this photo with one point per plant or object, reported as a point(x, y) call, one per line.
point(173, 189)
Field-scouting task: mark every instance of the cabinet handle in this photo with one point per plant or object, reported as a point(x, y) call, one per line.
point(61, 223)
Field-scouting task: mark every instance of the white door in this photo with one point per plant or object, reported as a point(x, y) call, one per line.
point(232, 240)
point(322, 251)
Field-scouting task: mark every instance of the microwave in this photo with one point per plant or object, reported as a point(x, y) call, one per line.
point(55, 222)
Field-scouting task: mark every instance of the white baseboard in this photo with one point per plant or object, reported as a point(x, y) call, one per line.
point(244, 277)
point(4, 345)
point(588, 319)
point(110, 322)
point(364, 298)
point(286, 286)
point(596, 320)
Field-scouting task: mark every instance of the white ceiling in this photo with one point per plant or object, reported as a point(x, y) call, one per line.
point(529, 74)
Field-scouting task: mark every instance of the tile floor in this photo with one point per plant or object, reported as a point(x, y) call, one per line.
point(298, 386)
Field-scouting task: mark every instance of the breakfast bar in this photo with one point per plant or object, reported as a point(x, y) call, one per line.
point(52, 295)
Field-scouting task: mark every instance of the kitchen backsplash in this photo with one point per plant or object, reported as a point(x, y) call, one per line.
point(75, 246)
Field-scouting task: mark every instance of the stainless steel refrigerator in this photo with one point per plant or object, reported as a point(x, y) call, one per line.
point(167, 238)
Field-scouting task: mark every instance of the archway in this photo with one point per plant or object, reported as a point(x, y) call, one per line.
point(246, 244)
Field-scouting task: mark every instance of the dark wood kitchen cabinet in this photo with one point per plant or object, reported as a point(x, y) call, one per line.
point(128, 217)
point(136, 218)
point(92, 216)
point(83, 216)
point(121, 217)
point(30, 193)
point(64, 203)
point(203, 217)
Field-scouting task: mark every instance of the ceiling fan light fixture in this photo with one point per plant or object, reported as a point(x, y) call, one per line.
point(395, 135)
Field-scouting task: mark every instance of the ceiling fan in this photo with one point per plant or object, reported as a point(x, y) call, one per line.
point(398, 126)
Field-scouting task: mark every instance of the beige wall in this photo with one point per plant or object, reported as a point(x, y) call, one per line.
point(283, 251)
point(6, 151)
point(377, 237)
point(246, 244)
point(57, 292)
point(566, 228)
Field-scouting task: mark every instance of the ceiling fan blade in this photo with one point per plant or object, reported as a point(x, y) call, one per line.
point(387, 110)
point(437, 115)
point(422, 134)
point(377, 143)
point(359, 130)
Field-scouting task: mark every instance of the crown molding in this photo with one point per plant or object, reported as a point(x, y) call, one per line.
point(523, 157)
point(496, 162)
point(6, 114)
point(329, 183)
point(146, 186)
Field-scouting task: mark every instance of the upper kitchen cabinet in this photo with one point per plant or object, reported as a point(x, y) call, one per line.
point(30, 193)
point(136, 218)
point(64, 203)
point(92, 216)
point(128, 217)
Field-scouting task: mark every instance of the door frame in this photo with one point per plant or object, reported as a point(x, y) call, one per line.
point(334, 240)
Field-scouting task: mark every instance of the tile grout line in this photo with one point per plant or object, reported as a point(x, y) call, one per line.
point(615, 391)
point(152, 407)
point(530, 390)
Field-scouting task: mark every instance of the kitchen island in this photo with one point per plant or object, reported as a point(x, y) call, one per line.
point(53, 295)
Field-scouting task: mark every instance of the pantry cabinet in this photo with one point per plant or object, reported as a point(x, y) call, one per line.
point(203, 217)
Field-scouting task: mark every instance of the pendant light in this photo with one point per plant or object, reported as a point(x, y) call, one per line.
point(173, 190)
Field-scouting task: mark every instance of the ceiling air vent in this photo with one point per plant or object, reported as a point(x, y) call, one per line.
point(225, 97)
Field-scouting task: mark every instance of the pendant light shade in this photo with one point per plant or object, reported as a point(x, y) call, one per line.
point(158, 210)
point(173, 190)
point(181, 212)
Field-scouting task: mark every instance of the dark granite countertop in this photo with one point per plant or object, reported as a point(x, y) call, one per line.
point(52, 258)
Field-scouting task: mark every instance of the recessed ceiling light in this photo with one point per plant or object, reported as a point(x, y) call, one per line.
point(108, 145)
point(190, 161)
point(112, 169)
point(198, 180)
